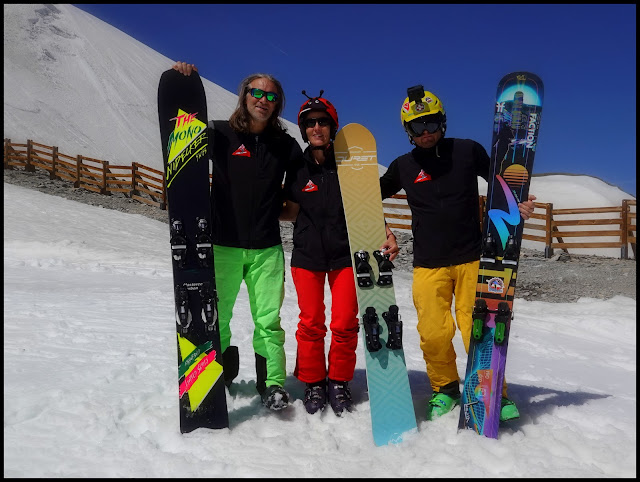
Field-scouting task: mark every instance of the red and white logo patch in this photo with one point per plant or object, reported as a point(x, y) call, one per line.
point(422, 177)
point(310, 187)
point(242, 151)
point(495, 285)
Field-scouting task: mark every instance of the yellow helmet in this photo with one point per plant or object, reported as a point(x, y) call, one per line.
point(419, 103)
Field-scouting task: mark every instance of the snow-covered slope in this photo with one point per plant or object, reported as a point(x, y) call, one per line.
point(74, 81)
point(90, 378)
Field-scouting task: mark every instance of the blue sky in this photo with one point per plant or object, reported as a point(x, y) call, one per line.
point(365, 57)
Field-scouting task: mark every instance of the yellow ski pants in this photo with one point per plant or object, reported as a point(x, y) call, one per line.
point(433, 292)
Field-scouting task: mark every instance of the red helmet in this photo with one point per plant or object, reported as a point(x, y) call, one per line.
point(319, 104)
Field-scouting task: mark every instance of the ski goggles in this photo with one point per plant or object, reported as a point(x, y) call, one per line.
point(259, 94)
point(417, 127)
point(321, 121)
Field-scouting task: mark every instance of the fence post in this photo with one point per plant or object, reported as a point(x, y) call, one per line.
point(78, 167)
point(28, 166)
point(548, 250)
point(7, 146)
point(105, 168)
point(624, 251)
point(54, 161)
point(132, 191)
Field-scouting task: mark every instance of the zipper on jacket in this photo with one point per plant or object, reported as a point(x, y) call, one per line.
point(253, 198)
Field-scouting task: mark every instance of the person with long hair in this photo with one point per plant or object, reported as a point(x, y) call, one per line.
point(252, 154)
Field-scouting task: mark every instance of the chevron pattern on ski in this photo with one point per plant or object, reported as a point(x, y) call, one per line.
point(392, 411)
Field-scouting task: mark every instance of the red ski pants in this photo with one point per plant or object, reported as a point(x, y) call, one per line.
point(310, 358)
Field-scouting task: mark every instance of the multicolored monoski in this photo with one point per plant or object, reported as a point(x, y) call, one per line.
point(515, 136)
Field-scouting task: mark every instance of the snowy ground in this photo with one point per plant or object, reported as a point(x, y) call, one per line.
point(90, 385)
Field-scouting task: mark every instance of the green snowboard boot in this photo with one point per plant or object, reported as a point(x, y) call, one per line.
point(508, 410)
point(441, 404)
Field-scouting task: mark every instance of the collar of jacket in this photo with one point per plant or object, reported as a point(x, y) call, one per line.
point(268, 135)
point(440, 152)
point(329, 162)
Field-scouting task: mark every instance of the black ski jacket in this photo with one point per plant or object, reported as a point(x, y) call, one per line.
point(246, 190)
point(442, 191)
point(320, 240)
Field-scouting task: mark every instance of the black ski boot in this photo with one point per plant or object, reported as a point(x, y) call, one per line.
point(275, 397)
point(339, 397)
point(261, 373)
point(230, 364)
point(315, 396)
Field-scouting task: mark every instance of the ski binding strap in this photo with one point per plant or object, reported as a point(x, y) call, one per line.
point(488, 250)
point(384, 268)
point(178, 243)
point(480, 313)
point(209, 305)
point(204, 244)
point(183, 313)
point(363, 269)
point(371, 329)
point(394, 324)
point(510, 255)
point(502, 319)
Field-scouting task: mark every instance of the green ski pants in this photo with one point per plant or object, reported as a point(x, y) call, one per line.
point(263, 273)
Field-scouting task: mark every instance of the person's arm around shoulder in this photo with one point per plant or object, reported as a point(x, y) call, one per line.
point(295, 162)
point(482, 161)
point(390, 181)
point(289, 211)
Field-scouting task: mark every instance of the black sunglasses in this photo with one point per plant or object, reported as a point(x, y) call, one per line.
point(417, 127)
point(259, 93)
point(321, 121)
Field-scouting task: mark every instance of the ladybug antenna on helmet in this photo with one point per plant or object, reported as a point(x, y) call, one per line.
point(311, 98)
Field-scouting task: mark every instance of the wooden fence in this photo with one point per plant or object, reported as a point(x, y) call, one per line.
point(543, 225)
point(136, 181)
point(147, 185)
